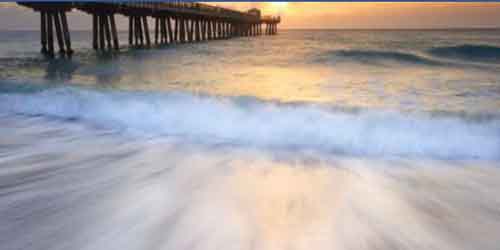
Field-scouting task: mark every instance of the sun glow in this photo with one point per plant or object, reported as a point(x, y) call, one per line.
point(278, 7)
point(280, 4)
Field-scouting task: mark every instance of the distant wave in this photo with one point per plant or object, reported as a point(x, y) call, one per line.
point(248, 121)
point(479, 53)
point(380, 56)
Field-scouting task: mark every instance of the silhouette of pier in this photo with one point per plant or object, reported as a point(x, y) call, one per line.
point(174, 22)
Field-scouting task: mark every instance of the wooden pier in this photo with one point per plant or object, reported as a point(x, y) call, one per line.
point(174, 22)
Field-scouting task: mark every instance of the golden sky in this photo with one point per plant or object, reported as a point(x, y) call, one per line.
point(378, 15)
point(322, 15)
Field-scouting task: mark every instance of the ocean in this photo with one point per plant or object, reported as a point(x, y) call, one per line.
point(310, 139)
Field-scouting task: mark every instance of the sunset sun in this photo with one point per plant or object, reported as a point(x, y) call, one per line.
point(278, 6)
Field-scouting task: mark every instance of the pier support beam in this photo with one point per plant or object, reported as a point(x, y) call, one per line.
point(209, 30)
point(183, 30)
point(130, 31)
point(190, 29)
point(66, 34)
point(139, 31)
point(162, 29)
point(107, 31)
point(219, 30)
point(157, 29)
point(146, 30)
point(176, 26)
point(214, 29)
point(197, 34)
point(43, 31)
point(169, 30)
point(203, 30)
point(50, 36)
point(102, 44)
point(135, 32)
point(104, 32)
point(54, 21)
point(114, 32)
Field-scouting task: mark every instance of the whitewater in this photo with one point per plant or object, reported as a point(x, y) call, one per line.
point(304, 140)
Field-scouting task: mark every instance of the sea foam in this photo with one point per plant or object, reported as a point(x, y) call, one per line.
point(251, 122)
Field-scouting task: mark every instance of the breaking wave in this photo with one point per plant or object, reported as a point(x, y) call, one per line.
point(247, 121)
point(374, 57)
point(479, 53)
point(380, 56)
point(459, 55)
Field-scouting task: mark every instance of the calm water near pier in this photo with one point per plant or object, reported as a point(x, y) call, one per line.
point(304, 140)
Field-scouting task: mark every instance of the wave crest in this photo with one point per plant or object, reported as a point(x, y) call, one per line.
point(380, 56)
point(480, 53)
point(263, 124)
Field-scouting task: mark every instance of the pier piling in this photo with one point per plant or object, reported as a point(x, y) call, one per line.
point(146, 30)
point(107, 32)
point(43, 31)
point(169, 30)
point(50, 35)
point(66, 34)
point(59, 37)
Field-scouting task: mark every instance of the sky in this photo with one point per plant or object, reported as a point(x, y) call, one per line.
point(300, 15)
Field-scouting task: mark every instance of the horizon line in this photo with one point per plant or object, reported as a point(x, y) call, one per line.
point(346, 29)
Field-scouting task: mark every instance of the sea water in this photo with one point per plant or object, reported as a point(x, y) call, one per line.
point(310, 139)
